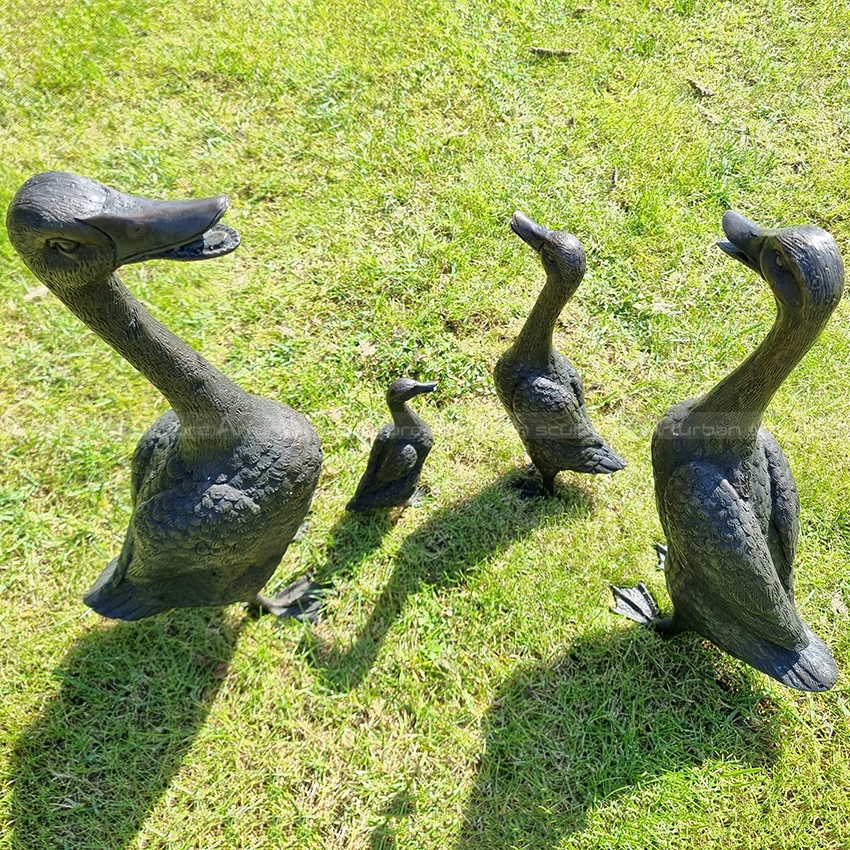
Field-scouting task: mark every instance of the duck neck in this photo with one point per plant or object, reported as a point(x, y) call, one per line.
point(533, 344)
point(404, 418)
point(737, 404)
point(209, 405)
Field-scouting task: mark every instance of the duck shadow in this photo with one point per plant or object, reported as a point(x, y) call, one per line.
point(352, 538)
point(102, 751)
point(441, 553)
point(615, 713)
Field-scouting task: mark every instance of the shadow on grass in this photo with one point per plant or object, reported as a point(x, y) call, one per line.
point(617, 712)
point(352, 538)
point(441, 553)
point(103, 750)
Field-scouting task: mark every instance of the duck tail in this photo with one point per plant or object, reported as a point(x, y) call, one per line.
point(605, 460)
point(119, 599)
point(809, 669)
point(357, 505)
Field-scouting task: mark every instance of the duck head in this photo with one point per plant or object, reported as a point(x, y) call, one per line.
point(72, 231)
point(404, 389)
point(802, 265)
point(562, 255)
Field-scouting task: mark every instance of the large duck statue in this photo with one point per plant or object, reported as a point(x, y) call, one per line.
point(539, 388)
point(220, 482)
point(725, 493)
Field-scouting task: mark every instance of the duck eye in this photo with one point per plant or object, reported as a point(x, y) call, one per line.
point(548, 256)
point(66, 246)
point(779, 260)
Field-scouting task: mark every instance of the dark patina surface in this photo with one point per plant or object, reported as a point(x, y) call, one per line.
point(398, 452)
point(725, 493)
point(539, 388)
point(221, 482)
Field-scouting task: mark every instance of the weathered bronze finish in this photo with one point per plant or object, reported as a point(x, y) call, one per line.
point(221, 482)
point(539, 388)
point(398, 453)
point(726, 496)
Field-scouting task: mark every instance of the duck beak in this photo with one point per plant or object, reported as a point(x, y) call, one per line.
point(529, 231)
point(427, 387)
point(744, 239)
point(144, 229)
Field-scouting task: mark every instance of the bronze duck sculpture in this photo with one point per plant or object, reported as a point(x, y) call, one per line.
point(725, 493)
point(221, 482)
point(398, 452)
point(539, 388)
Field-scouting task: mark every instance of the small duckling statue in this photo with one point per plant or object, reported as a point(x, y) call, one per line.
point(221, 482)
point(398, 453)
point(539, 388)
point(725, 493)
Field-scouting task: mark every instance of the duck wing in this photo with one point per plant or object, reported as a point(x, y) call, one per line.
point(785, 520)
point(399, 462)
point(157, 440)
point(569, 372)
point(547, 409)
point(155, 445)
point(389, 461)
point(724, 580)
point(725, 585)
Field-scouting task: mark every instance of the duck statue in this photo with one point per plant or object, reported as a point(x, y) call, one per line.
point(725, 493)
point(398, 453)
point(221, 482)
point(539, 388)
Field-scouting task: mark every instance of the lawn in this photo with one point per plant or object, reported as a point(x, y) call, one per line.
point(468, 686)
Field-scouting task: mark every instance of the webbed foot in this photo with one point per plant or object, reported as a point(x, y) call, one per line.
point(301, 600)
point(419, 497)
point(527, 487)
point(636, 603)
point(528, 490)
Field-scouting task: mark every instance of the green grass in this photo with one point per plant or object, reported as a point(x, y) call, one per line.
point(468, 687)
